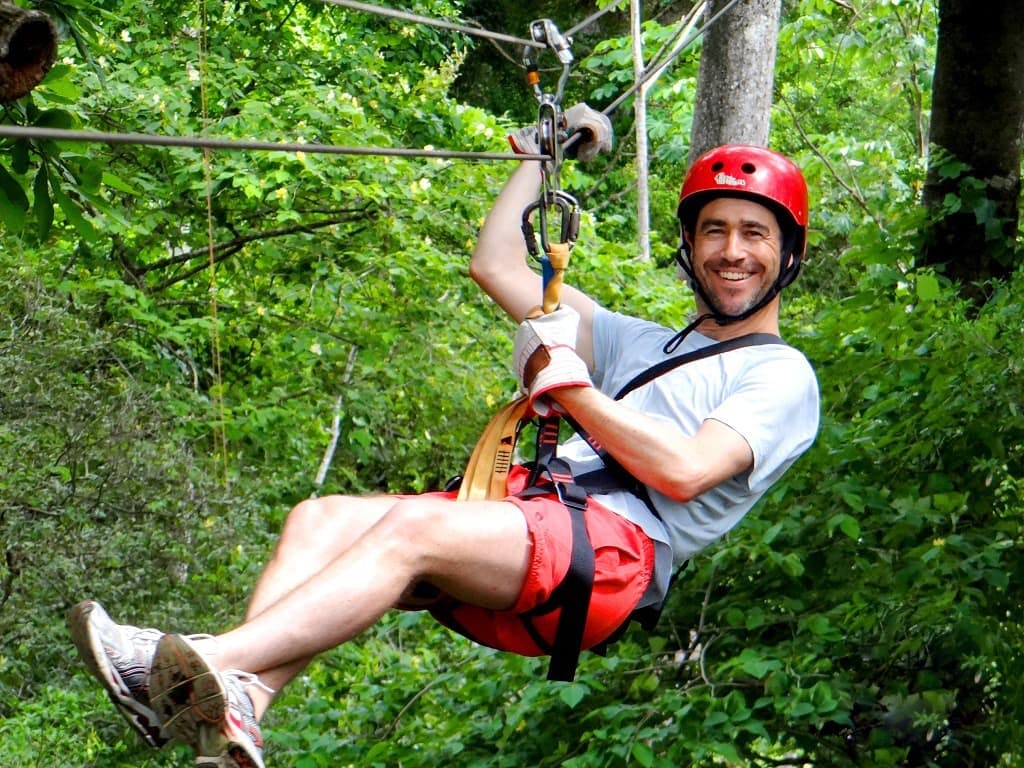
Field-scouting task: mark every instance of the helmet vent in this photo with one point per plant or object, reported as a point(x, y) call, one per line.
point(717, 166)
point(748, 168)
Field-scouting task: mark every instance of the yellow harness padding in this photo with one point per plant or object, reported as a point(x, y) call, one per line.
point(486, 473)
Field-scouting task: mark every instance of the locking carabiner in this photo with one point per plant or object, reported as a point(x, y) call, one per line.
point(553, 256)
point(569, 211)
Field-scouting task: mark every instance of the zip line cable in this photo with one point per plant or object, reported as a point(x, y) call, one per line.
point(656, 69)
point(208, 143)
point(202, 142)
point(591, 19)
point(433, 22)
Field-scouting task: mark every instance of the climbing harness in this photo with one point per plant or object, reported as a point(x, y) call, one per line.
point(490, 464)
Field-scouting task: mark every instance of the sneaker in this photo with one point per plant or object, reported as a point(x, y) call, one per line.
point(206, 709)
point(119, 656)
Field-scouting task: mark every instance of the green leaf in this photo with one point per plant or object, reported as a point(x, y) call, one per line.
point(73, 214)
point(572, 693)
point(927, 287)
point(643, 754)
point(754, 664)
point(12, 191)
point(54, 118)
point(59, 85)
point(13, 202)
point(116, 182)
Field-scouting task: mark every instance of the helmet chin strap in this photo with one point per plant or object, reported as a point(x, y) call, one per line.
point(713, 313)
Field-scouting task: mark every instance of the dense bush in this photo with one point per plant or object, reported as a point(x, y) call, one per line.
point(159, 416)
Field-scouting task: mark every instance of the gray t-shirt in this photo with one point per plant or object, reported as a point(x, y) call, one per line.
point(767, 393)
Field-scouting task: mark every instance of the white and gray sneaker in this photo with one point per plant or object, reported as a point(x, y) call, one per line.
point(120, 657)
point(207, 709)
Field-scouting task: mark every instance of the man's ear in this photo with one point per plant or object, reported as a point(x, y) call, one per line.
point(687, 240)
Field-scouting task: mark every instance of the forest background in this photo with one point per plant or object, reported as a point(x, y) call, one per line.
point(184, 334)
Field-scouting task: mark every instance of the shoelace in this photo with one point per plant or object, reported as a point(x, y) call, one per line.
point(239, 680)
point(247, 679)
point(235, 683)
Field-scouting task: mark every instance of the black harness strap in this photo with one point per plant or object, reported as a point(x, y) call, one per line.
point(614, 476)
point(660, 369)
point(552, 474)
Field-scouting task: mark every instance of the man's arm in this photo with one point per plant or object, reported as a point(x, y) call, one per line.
point(499, 264)
point(660, 457)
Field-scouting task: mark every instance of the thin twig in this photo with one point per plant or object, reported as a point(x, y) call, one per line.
point(335, 430)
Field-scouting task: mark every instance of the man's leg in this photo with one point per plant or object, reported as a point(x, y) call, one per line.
point(316, 532)
point(342, 562)
point(476, 551)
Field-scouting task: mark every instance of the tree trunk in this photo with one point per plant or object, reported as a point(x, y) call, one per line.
point(977, 121)
point(28, 48)
point(737, 74)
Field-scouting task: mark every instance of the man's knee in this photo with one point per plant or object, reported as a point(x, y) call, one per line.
point(321, 522)
point(418, 521)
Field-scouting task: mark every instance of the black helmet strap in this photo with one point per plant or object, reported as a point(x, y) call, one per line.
point(786, 276)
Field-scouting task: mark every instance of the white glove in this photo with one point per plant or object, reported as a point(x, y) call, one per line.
point(556, 368)
point(525, 141)
point(545, 355)
point(594, 127)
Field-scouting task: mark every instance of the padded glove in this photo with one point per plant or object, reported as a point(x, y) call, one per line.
point(595, 131)
point(525, 141)
point(545, 355)
point(594, 127)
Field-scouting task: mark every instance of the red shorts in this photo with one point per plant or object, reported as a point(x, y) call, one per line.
point(623, 564)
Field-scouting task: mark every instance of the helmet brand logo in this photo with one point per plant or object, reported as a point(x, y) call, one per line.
point(729, 181)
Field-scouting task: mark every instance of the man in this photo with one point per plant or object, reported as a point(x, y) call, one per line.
point(703, 442)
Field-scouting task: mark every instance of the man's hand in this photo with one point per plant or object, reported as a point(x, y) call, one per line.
point(594, 129)
point(545, 356)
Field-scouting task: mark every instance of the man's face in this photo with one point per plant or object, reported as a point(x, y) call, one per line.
point(735, 250)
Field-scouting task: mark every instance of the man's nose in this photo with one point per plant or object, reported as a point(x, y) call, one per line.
point(733, 246)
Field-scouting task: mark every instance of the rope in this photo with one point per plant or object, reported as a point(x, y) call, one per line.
point(405, 16)
point(220, 439)
point(201, 142)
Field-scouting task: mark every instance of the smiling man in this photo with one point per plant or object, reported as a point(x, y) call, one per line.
point(669, 457)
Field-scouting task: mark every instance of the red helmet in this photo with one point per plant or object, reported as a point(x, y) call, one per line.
point(738, 170)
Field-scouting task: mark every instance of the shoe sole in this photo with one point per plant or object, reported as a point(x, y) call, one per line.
point(90, 650)
point(189, 697)
point(186, 693)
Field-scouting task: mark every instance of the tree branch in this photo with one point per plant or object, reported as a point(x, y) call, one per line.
point(243, 240)
point(335, 431)
point(854, 192)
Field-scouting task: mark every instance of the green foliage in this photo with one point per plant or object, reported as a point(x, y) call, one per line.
point(160, 415)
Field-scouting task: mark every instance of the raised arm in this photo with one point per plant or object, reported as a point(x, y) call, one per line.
point(499, 264)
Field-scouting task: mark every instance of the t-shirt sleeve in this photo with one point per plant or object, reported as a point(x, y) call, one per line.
point(775, 408)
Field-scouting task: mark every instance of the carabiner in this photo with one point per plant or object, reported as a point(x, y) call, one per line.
point(546, 31)
point(569, 210)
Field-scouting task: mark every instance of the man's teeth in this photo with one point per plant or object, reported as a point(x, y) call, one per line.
point(734, 275)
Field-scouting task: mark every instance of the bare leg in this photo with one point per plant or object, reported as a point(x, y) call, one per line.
point(478, 552)
point(315, 533)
